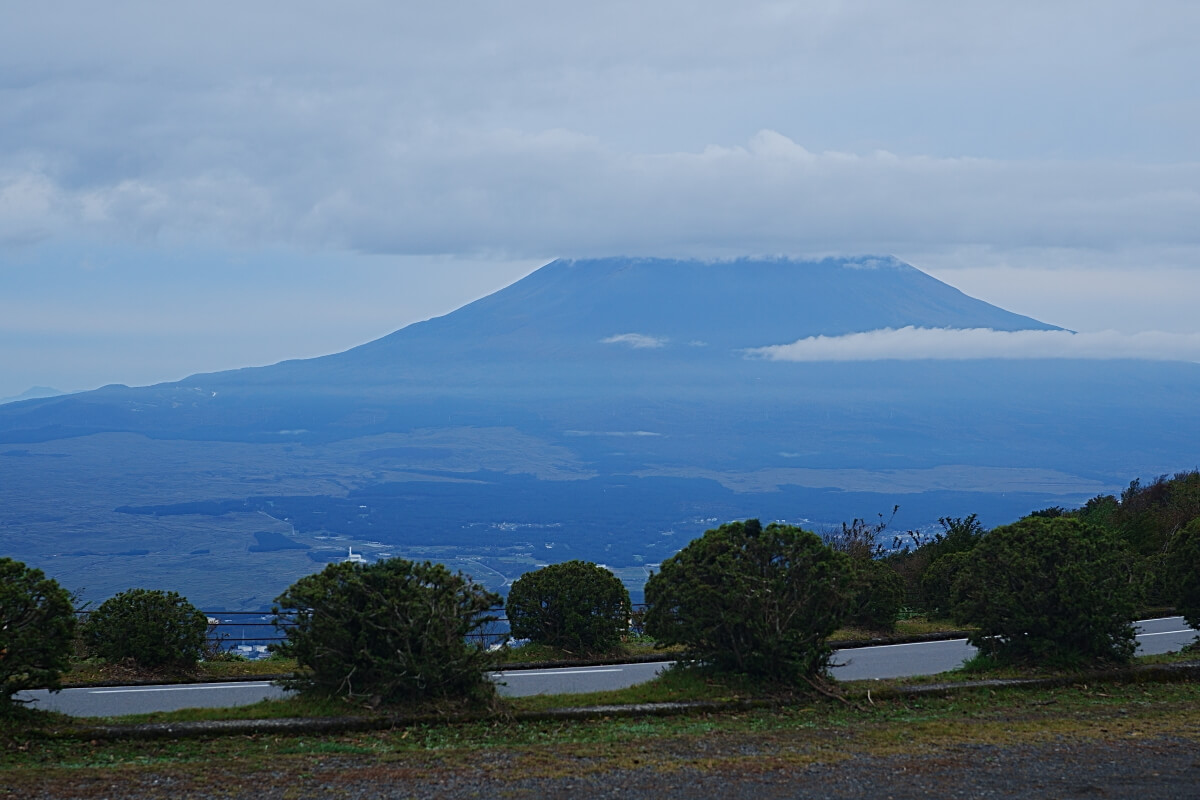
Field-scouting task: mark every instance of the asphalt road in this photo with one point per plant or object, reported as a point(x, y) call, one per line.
point(885, 661)
point(575, 680)
point(107, 701)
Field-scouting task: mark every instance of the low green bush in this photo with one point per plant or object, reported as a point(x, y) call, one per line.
point(878, 596)
point(1183, 572)
point(752, 600)
point(916, 552)
point(575, 606)
point(151, 627)
point(937, 582)
point(388, 632)
point(1048, 591)
point(37, 630)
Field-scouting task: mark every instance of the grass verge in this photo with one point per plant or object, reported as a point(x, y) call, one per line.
point(97, 671)
point(810, 730)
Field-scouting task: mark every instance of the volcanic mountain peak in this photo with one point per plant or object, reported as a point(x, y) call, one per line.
point(652, 303)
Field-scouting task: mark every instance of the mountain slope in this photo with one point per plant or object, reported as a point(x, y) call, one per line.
point(725, 304)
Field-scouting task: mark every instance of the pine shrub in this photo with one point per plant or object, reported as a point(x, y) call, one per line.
point(1183, 572)
point(153, 628)
point(878, 596)
point(1048, 591)
point(575, 606)
point(37, 630)
point(752, 600)
point(388, 632)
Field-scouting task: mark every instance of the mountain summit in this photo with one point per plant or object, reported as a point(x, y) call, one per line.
point(573, 305)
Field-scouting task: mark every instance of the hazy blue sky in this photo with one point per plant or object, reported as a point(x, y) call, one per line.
point(194, 187)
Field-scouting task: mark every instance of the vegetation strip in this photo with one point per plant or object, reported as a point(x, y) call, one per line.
point(649, 658)
point(1149, 673)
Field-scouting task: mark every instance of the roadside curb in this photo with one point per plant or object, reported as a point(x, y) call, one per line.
point(1150, 673)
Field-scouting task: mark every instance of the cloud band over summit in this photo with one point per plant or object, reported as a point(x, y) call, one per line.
point(470, 192)
point(911, 344)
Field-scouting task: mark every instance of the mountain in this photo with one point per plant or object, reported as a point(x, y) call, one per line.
point(604, 408)
point(556, 333)
point(32, 393)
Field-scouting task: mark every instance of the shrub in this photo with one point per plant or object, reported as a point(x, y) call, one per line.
point(149, 626)
point(576, 606)
point(753, 600)
point(1048, 590)
point(878, 596)
point(1183, 571)
point(878, 589)
point(37, 629)
point(859, 540)
point(389, 631)
point(937, 582)
point(921, 552)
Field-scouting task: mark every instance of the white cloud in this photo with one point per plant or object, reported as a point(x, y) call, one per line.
point(670, 128)
point(635, 340)
point(973, 343)
point(27, 207)
point(501, 191)
point(618, 434)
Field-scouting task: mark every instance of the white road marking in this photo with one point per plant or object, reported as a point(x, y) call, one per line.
point(231, 685)
point(538, 673)
point(1164, 633)
point(903, 644)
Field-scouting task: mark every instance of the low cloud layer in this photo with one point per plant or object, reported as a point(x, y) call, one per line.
point(635, 340)
point(558, 191)
point(910, 344)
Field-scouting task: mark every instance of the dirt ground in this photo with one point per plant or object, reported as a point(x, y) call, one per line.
point(728, 767)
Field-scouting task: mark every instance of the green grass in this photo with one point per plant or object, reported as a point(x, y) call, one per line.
point(535, 653)
point(812, 729)
point(284, 708)
point(93, 670)
point(913, 626)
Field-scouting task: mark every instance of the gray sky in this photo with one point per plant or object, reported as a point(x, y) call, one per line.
point(193, 188)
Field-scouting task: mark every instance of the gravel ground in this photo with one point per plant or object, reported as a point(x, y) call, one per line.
point(1143, 769)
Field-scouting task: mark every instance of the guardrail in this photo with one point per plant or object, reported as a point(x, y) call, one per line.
point(244, 627)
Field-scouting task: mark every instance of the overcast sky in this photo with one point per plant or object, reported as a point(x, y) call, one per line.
point(194, 187)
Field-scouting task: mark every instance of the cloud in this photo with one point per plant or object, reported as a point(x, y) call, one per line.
point(669, 129)
point(635, 340)
point(619, 434)
point(558, 192)
point(911, 343)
